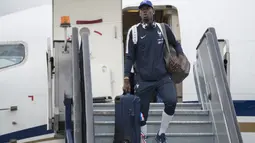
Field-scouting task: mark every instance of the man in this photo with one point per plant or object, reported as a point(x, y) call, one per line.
point(150, 70)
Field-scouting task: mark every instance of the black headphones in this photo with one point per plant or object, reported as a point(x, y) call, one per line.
point(151, 25)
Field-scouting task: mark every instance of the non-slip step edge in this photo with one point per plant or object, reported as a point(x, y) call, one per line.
point(158, 122)
point(155, 112)
point(151, 104)
point(167, 134)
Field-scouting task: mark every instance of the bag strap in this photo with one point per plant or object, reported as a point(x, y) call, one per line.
point(167, 49)
point(163, 30)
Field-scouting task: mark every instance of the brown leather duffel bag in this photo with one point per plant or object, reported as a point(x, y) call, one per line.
point(178, 66)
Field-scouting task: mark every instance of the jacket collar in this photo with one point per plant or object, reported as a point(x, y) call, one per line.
point(145, 25)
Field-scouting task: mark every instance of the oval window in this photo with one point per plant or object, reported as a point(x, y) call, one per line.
point(11, 54)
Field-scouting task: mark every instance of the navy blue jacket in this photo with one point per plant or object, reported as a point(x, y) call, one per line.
point(147, 54)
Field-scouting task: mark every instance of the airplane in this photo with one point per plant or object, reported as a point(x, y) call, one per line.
point(28, 29)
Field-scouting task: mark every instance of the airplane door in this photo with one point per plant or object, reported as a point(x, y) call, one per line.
point(50, 68)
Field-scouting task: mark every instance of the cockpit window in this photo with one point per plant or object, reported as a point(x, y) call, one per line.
point(11, 54)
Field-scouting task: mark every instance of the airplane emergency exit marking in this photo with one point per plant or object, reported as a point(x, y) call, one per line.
point(32, 97)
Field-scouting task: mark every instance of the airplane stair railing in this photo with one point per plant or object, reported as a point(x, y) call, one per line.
point(78, 102)
point(213, 89)
point(73, 102)
point(71, 77)
point(86, 78)
point(82, 90)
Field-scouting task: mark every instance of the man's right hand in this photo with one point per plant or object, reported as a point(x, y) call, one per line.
point(126, 86)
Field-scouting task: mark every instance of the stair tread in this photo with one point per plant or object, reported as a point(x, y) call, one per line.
point(171, 137)
point(178, 110)
point(158, 122)
point(152, 104)
point(154, 111)
point(153, 126)
point(167, 134)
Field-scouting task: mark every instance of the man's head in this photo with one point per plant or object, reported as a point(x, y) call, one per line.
point(146, 11)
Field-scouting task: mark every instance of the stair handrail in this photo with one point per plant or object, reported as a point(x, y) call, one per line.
point(215, 90)
point(84, 33)
point(77, 104)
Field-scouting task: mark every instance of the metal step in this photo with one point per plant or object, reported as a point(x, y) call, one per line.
point(100, 115)
point(155, 115)
point(153, 126)
point(189, 106)
point(171, 137)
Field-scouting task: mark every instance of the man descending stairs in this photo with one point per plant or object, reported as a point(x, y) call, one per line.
point(155, 66)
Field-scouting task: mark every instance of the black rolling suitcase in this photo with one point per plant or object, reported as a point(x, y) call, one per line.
point(127, 119)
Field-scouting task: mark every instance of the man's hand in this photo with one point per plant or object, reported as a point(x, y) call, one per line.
point(126, 86)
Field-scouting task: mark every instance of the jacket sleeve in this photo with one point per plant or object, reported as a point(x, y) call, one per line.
point(172, 40)
point(129, 54)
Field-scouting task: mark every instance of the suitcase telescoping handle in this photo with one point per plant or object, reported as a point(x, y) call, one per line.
point(117, 98)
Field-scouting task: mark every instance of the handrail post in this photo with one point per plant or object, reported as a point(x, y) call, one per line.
point(84, 32)
point(77, 107)
point(68, 118)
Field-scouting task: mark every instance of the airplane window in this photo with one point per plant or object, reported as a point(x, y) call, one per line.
point(11, 54)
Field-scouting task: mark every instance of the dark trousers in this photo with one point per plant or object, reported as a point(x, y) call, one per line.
point(166, 90)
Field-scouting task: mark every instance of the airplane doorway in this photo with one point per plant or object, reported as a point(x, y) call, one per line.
point(166, 14)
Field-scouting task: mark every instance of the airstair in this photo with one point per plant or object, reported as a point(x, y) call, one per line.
point(211, 120)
